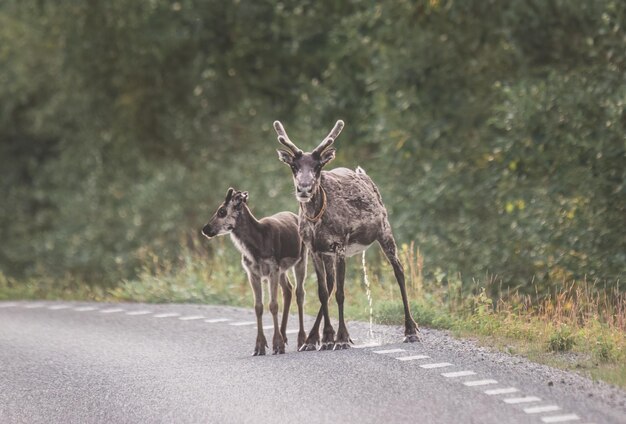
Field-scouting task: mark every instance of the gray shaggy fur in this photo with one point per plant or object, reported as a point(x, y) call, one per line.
point(341, 214)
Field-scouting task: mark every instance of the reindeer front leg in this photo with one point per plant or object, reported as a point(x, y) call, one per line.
point(278, 343)
point(323, 291)
point(300, 272)
point(328, 337)
point(257, 290)
point(287, 289)
point(343, 338)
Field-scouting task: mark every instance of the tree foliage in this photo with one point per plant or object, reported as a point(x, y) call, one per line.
point(495, 129)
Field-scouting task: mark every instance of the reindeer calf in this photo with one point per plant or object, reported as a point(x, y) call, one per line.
point(269, 248)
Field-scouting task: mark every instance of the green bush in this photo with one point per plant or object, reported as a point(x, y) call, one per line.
point(561, 340)
point(605, 349)
point(494, 129)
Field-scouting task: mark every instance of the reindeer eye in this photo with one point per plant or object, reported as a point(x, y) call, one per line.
point(293, 168)
point(221, 213)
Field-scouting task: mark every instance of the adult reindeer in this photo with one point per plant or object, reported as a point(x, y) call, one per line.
point(341, 214)
point(269, 248)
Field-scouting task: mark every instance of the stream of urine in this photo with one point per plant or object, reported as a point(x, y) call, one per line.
point(368, 292)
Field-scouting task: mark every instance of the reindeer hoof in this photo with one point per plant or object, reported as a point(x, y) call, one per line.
point(412, 338)
point(301, 339)
point(278, 344)
point(340, 346)
point(327, 346)
point(307, 347)
point(258, 353)
point(279, 350)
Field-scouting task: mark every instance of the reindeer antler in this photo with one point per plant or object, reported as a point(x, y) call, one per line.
point(229, 195)
point(283, 139)
point(330, 138)
point(334, 133)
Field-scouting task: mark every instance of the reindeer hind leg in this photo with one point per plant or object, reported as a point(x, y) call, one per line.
point(257, 290)
point(388, 245)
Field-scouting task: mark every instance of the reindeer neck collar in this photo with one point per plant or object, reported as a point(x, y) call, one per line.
point(319, 215)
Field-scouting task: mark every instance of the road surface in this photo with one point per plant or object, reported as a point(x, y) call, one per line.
point(138, 363)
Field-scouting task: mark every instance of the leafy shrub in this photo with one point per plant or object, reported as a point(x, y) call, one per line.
point(494, 129)
point(561, 340)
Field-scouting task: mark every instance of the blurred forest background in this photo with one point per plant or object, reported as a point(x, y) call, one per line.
point(496, 130)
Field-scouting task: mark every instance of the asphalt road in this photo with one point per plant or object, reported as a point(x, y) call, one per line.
point(134, 363)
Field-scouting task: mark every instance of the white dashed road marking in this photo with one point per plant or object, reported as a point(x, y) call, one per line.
point(525, 399)
point(381, 352)
point(412, 358)
point(512, 401)
point(480, 382)
point(58, 307)
point(501, 391)
point(436, 365)
point(369, 344)
point(539, 409)
point(560, 418)
point(458, 374)
point(216, 320)
point(242, 323)
point(191, 317)
point(167, 315)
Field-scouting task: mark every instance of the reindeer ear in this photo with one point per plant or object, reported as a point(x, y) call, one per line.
point(327, 155)
point(285, 156)
point(239, 198)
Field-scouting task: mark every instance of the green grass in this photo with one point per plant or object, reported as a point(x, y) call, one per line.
point(579, 328)
point(49, 289)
